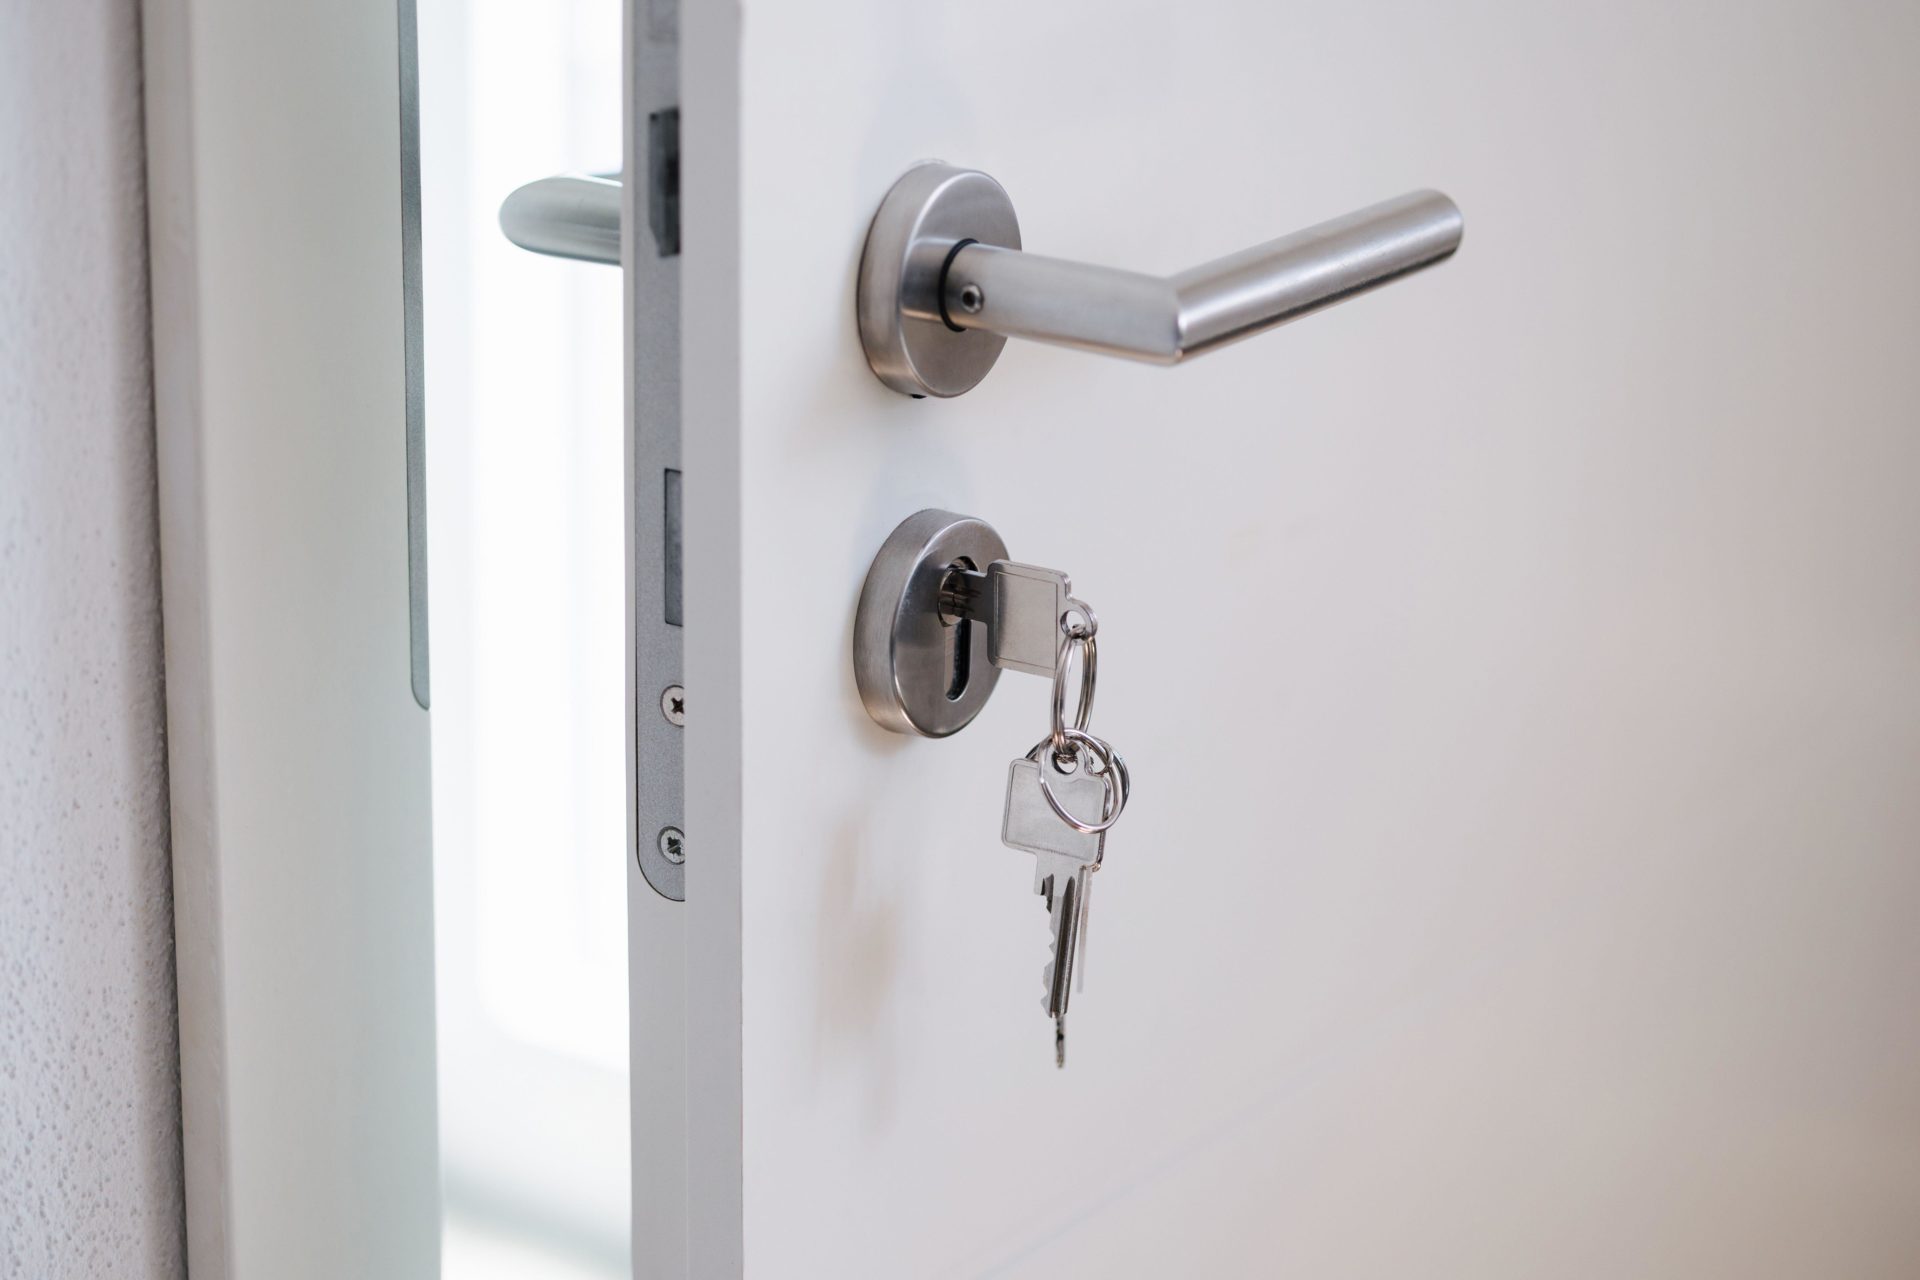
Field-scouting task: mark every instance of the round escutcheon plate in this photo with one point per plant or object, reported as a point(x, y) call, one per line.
point(916, 672)
point(931, 211)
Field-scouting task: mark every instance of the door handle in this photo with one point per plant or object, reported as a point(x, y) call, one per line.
point(575, 215)
point(944, 282)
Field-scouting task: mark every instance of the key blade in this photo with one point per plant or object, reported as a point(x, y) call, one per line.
point(1063, 932)
point(1082, 910)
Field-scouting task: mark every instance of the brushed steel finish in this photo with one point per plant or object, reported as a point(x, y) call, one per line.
point(413, 320)
point(1026, 603)
point(933, 278)
point(931, 210)
point(1165, 320)
point(903, 650)
point(575, 215)
point(656, 649)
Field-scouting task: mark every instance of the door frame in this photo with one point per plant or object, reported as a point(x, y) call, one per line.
point(298, 754)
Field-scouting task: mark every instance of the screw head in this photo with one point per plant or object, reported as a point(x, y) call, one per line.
point(972, 298)
point(673, 704)
point(673, 845)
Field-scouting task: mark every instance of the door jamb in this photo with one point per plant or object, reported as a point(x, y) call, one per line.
point(298, 757)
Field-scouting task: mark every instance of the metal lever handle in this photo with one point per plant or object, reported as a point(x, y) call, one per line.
point(1163, 320)
point(575, 215)
point(943, 282)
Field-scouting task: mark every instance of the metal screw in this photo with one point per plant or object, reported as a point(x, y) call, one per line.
point(673, 704)
point(972, 298)
point(673, 845)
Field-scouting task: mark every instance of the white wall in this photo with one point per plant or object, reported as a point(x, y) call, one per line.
point(89, 1099)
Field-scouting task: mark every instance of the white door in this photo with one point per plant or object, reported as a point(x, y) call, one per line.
point(1519, 666)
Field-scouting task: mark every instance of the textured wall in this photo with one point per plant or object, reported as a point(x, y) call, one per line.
point(89, 1098)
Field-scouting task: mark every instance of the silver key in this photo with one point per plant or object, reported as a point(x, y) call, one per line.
point(1027, 603)
point(1063, 862)
point(1020, 605)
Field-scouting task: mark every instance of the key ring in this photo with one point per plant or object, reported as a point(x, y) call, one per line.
point(1113, 777)
point(1079, 630)
point(1089, 681)
point(1074, 634)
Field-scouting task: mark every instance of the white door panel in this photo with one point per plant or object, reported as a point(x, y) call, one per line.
point(1519, 666)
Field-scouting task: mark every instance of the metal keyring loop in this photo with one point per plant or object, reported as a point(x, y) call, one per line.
point(1113, 776)
point(1089, 680)
point(1119, 763)
point(1075, 630)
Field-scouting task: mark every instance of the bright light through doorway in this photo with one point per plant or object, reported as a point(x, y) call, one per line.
point(524, 405)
